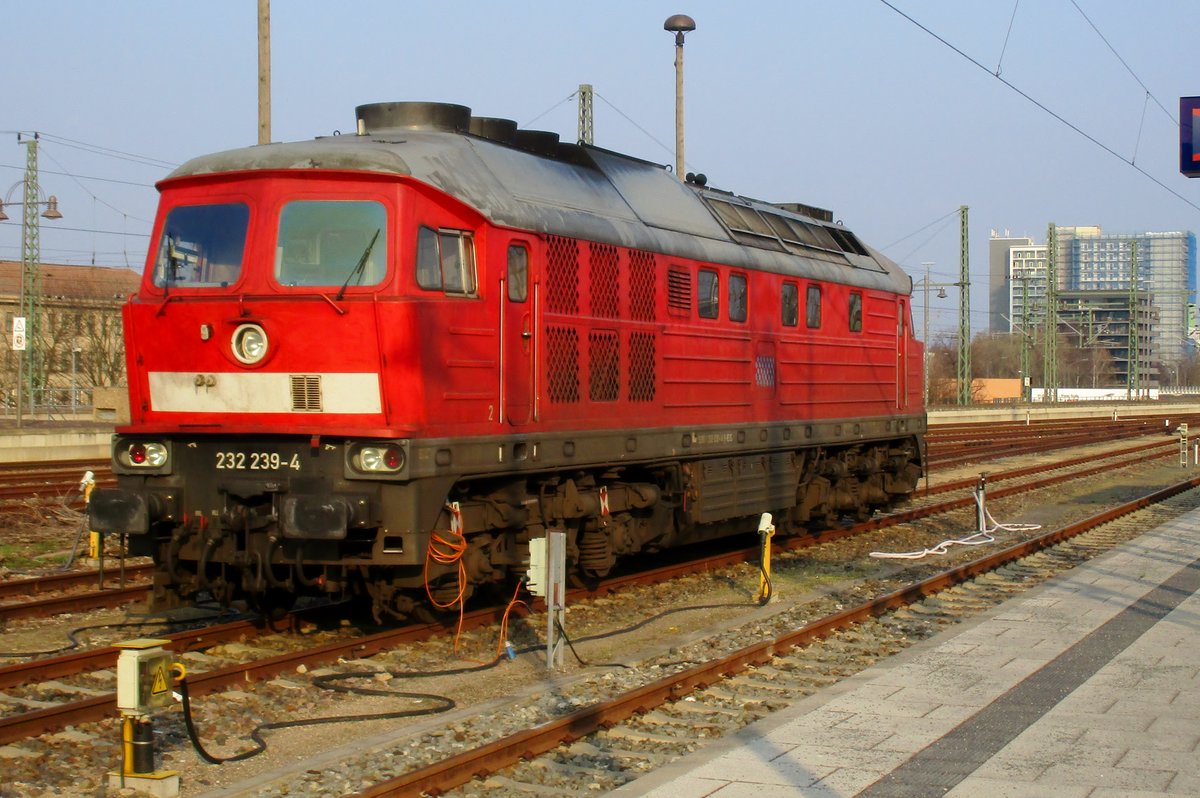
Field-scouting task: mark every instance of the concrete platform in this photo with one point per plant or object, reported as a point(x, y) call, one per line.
point(982, 414)
point(1088, 685)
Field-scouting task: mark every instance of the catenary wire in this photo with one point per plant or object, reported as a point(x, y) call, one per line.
point(1007, 36)
point(564, 100)
point(1104, 39)
point(86, 190)
point(1045, 108)
point(921, 229)
point(96, 149)
point(628, 119)
point(85, 230)
point(80, 177)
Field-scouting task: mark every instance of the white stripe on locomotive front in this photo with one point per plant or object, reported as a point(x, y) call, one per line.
point(177, 392)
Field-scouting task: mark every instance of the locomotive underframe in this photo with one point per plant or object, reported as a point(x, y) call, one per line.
point(317, 527)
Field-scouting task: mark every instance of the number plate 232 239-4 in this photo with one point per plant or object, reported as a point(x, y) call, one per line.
point(257, 461)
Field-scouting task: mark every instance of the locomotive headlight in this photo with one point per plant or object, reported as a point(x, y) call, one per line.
point(386, 459)
point(143, 454)
point(249, 343)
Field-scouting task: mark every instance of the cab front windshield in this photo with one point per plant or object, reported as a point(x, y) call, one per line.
point(331, 243)
point(202, 245)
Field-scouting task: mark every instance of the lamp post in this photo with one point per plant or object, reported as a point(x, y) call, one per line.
point(31, 256)
point(75, 350)
point(679, 24)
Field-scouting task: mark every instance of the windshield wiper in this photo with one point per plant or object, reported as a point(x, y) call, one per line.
point(358, 267)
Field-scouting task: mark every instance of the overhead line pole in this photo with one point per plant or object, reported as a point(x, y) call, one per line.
point(964, 312)
point(1050, 344)
point(586, 133)
point(264, 71)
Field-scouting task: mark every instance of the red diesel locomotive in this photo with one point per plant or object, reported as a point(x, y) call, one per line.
point(380, 363)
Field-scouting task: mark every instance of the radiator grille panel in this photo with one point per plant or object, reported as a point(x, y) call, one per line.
point(306, 393)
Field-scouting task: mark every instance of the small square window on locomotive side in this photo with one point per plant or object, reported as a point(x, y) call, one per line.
point(737, 297)
point(855, 315)
point(812, 308)
point(518, 273)
point(708, 298)
point(789, 300)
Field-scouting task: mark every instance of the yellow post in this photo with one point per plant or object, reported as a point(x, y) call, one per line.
point(87, 485)
point(766, 530)
point(127, 768)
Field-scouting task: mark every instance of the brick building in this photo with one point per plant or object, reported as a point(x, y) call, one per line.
point(79, 336)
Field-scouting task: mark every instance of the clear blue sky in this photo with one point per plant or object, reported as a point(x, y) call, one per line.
point(845, 105)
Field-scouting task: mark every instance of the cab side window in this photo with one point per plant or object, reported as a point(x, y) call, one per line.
point(856, 311)
point(446, 261)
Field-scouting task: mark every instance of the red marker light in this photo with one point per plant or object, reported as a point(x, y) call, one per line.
point(392, 458)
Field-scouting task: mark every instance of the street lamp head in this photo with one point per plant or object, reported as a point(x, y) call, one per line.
point(3, 215)
point(941, 293)
point(679, 24)
point(52, 211)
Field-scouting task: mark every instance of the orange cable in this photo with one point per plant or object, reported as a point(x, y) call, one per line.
point(512, 604)
point(448, 551)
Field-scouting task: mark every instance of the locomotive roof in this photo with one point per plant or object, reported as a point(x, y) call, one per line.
point(584, 192)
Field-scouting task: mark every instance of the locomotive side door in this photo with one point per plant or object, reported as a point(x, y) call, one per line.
point(902, 355)
point(517, 337)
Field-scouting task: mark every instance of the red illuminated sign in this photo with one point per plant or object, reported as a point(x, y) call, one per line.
point(1189, 136)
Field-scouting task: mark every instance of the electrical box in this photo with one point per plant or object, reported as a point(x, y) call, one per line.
point(537, 567)
point(143, 676)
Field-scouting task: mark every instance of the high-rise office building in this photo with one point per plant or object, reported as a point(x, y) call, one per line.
point(1089, 260)
point(999, 283)
point(1092, 260)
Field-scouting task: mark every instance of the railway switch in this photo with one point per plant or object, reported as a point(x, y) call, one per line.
point(144, 678)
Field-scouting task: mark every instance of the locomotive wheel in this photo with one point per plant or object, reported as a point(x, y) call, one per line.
point(586, 579)
point(272, 604)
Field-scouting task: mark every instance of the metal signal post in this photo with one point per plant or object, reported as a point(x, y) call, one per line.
point(29, 300)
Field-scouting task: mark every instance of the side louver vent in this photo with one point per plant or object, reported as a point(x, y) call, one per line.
point(306, 393)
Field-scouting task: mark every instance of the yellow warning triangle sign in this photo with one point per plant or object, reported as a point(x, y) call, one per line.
point(160, 681)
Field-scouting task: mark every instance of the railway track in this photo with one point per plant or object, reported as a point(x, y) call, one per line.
point(612, 741)
point(49, 481)
point(74, 591)
point(21, 681)
point(950, 446)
